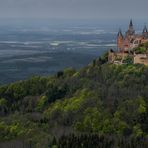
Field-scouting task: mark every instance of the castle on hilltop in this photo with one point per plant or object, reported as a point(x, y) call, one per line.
point(130, 46)
point(131, 40)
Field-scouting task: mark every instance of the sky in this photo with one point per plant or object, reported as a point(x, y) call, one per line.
point(74, 9)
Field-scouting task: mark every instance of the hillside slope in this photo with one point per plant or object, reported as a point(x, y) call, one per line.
point(101, 105)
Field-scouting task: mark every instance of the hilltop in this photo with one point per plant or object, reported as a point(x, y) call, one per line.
point(131, 47)
point(100, 105)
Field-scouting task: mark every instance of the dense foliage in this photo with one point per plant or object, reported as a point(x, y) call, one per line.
point(101, 105)
point(142, 49)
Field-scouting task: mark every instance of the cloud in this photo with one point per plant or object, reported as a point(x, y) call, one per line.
point(74, 8)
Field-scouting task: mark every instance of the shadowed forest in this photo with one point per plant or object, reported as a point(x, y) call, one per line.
point(99, 106)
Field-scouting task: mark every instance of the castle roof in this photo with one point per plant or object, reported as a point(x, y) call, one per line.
point(145, 29)
point(120, 33)
point(131, 23)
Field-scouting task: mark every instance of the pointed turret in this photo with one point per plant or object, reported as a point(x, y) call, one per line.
point(130, 30)
point(120, 33)
point(145, 29)
point(131, 23)
point(145, 32)
point(120, 40)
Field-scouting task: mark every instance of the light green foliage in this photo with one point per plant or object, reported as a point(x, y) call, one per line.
point(137, 131)
point(142, 105)
point(99, 98)
point(90, 122)
point(73, 104)
point(77, 74)
point(41, 103)
point(20, 127)
point(69, 72)
point(10, 131)
point(3, 102)
point(107, 126)
point(131, 109)
point(119, 126)
point(3, 105)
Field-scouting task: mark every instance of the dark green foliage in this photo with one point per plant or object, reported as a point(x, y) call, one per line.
point(60, 74)
point(103, 104)
point(99, 141)
point(142, 49)
point(104, 58)
point(128, 60)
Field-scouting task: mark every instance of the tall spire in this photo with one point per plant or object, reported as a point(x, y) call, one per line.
point(131, 23)
point(130, 30)
point(145, 29)
point(120, 33)
point(120, 40)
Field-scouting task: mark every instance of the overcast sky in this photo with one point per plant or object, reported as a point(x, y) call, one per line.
point(74, 9)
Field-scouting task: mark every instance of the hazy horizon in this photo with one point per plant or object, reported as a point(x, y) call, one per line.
point(41, 37)
point(60, 22)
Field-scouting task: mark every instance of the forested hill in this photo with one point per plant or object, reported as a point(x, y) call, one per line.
point(100, 106)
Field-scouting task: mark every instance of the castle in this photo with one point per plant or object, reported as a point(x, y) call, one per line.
point(131, 40)
point(126, 45)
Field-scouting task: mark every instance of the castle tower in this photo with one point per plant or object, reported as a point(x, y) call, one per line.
point(145, 29)
point(120, 40)
point(130, 30)
point(145, 32)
